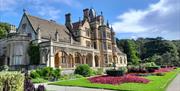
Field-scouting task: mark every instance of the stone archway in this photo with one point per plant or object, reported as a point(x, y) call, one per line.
point(64, 59)
point(57, 60)
point(78, 58)
point(96, 61)
point(89, 59)
point(115, 59)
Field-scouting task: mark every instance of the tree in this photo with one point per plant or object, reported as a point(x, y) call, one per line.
point(158, 50)
point(129, 47)
point(4, 29)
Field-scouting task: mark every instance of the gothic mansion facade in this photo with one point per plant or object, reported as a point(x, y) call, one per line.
point(87, 41)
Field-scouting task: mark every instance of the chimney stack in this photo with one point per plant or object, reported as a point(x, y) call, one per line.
point(86, 13)
point(68, 22)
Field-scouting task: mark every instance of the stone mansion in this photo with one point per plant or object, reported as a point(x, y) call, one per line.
point(87, 41)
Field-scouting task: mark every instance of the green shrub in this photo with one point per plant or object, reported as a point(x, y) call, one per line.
point(124, 69)
point(56, 73)
point(40, 72)
point(99, 71)
point(113, 72)
point(149, 64)
point(13, 81)
point(48, 73)
point(83, 70)
point(34, 74)
point(78, 76)
point(39, 80)
point(4, 68)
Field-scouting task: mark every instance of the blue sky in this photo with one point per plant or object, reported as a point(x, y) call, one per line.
point(129, 18)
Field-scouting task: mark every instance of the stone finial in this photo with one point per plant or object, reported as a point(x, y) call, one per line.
point(56, 35)
point(107, 24)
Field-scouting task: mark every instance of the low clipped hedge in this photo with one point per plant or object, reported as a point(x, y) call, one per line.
point(115, 72)
point(11, 81)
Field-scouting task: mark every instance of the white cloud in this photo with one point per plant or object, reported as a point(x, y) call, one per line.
point(160, 19)
point(6, 5)
point(44, 8)
point(71, 3)
point(50, 12)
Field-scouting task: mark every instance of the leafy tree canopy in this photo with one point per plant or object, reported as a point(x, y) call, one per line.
point(4, 29)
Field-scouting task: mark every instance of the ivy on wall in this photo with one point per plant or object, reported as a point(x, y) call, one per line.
point(34, 54)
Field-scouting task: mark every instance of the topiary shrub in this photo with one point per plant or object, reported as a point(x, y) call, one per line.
point(83, 70)
point(11, 81)
point(113, 72)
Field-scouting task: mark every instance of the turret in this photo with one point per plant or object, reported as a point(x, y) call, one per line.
point(92, 13)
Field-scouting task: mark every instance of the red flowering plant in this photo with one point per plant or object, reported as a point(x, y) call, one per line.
point(164, 70)
point(118, 80)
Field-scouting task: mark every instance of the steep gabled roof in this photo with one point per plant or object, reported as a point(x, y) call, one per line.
point(49, 28)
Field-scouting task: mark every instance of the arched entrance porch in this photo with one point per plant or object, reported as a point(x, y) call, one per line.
point(89, 59)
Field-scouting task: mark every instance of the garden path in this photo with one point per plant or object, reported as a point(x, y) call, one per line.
point(69, 88)
point(175, 84)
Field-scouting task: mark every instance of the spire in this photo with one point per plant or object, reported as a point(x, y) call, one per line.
point(112, 30)
point(101, 13)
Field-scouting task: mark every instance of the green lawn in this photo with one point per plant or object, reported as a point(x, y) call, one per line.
point(157, 83)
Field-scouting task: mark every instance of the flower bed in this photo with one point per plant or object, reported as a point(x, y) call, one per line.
point(164, 70)
point(118, 80)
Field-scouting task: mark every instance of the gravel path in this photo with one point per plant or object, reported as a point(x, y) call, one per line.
point(67, 88)
point(175, 84)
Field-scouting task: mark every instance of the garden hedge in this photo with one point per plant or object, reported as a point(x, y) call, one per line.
point(115, 72)
point(11, 81)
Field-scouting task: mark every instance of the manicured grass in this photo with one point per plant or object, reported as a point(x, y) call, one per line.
point(157, 83)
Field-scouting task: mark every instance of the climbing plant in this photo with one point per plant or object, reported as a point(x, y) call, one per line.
point(34, 54)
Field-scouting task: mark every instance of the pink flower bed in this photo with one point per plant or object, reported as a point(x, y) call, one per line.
point(164, 70)
point(118, 80)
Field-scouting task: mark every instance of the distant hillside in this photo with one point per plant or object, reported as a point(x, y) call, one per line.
point(158, 50)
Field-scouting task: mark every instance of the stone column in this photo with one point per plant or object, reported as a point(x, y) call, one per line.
point(93, 60)
point(73, 60)
point(51, 55)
